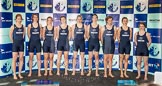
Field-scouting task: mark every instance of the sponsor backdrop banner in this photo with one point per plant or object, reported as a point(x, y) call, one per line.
point(148, 11)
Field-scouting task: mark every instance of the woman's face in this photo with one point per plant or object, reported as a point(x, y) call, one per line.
point(109, 21)
point(19, 19)
point(94, 18)
point(35, 18)
point(63, 20)
point(141, 27)
point(49, 21)
point(125, 21)
point(79, 20)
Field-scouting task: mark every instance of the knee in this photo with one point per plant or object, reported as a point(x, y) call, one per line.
point(21, 59)
point(146, 63)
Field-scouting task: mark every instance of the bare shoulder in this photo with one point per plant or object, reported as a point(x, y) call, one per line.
point(29, 25)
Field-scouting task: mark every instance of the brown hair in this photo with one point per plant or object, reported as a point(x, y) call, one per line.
point(79, 16)
point(18, 15)
point(142, 24)
point(108, 17)
point(124, 18)
point(62, 17)
point(34, 14)
point(49, 17)
point(95, 15)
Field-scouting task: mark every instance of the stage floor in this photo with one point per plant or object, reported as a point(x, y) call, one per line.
point(76, 80)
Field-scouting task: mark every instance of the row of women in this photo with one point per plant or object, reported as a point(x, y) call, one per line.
point(79, 33)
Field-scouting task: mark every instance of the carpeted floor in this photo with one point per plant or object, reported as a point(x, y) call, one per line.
point(76, 80)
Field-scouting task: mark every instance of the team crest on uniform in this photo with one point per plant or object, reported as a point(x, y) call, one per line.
point(35, 30)
point(19, 30)
point(125, 33)
point(94, 30)
point(79, 30)
point(63, 31)
point(140, 38)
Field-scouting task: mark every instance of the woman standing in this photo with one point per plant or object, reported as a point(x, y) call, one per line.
point(142, 41)
point(93, 34)
point(79, 36)
point(49, 35)
point(108, 36)
point(63, 36)
point(34, 35)
point(124, 38)
point(16, 34)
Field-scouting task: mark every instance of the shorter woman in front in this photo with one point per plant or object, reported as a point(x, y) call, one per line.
point(142, 41)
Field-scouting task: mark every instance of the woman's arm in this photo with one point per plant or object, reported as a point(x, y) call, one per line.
point(11, 33)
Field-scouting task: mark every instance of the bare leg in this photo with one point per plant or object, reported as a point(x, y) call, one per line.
point(121, 65)
point(96, 62)
point(66, 62)
point(21, 61)
point(51, 64)
point(82, 63)
point(58, 62)
point(31, 55)
point(139, 58)
point(110, 56)
point(146, 67)
point(39, 64)
point(105, 65)
point(90, 63)
point(126, 65)
point(14, 59)
point(45, 63)
point(74, 62)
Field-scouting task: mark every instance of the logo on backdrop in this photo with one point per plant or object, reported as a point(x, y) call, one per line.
point(87, 6)
point(62, 63)
point(154, 50)
point(6, 67)
point(34, 63)
point(113, 7)
point(142, 65)
point(141, 6)
point(6, 4)
point(60, 6)
point(32, 6)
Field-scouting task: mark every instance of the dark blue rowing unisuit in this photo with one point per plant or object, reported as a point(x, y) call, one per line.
point(63, 42)
point(124, 45)
point(108, 41)
point(79, 41)
point(142, 49)
point(49, 43)
point(35, 33)
point(18, 39)
point(94, 39)
point(34, 41)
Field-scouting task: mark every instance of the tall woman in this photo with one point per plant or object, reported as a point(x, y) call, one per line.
point(49, 35)
point(63, 36)
point(16, 34)
point(124, 38)
point(93, 35)
point(34, 35)
point(79, 36)
point(142, 41)
point(108, 36)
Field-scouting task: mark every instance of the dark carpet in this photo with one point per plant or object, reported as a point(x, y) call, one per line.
point(76, 80)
